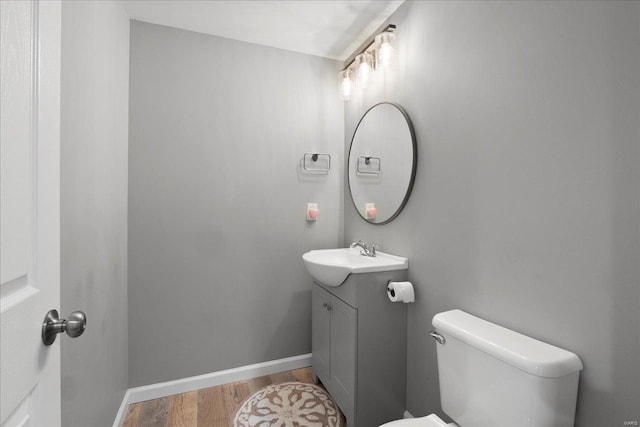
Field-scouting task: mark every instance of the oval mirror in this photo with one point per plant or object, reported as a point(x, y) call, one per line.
point(382, 163)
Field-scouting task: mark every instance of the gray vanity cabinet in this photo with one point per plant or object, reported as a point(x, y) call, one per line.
point(359, 347)
point(334, 344)
point(321, 333)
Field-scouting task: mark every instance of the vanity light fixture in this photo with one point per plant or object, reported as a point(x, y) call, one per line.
point(346, 84)
point(377, 54)
point(384, 48)
point(363, 67)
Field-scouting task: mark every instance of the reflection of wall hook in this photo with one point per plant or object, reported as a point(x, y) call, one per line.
point(368, 168)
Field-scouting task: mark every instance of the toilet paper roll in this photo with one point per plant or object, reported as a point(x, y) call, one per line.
point(400, 292)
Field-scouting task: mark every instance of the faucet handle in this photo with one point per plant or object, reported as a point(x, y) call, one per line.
point(373, 247)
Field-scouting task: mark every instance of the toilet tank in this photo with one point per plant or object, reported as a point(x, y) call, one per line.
point(493, 376)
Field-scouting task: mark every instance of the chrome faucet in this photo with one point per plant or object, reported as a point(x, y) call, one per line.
point(367, 250)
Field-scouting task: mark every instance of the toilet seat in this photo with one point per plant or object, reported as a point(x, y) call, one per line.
point(429, 421)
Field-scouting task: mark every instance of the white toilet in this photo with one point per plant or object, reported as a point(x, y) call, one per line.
point(491, 376)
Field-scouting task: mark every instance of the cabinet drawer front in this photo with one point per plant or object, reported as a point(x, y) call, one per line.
point(321, 333)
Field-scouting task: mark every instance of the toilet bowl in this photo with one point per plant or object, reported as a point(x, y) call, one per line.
point(492, 376)
point(429, 421)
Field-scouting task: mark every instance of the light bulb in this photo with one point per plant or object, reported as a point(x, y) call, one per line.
point(384, 48)
point(385, 53)
point(346, 85)
point(363, 69)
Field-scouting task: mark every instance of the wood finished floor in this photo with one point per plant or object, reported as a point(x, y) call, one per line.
point(208, 407)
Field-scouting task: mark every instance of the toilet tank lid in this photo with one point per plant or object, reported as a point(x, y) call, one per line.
point(523, 352)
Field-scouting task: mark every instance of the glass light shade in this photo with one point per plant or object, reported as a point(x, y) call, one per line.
point(346, 84)
point(384, 48)
point(363, 69)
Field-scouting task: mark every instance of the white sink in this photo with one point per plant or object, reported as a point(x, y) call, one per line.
point(332, 266)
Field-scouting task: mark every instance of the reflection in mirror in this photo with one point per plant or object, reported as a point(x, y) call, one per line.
point(382, 163)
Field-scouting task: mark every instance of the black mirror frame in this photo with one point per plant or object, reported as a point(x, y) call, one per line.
point(414, 165)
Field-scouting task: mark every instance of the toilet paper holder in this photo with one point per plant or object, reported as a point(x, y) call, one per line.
point(404, 293)
point(390, 289)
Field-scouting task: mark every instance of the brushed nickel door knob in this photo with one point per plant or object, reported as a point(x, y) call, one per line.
point(74, 325)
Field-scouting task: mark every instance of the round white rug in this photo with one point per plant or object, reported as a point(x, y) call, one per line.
point(291, 404)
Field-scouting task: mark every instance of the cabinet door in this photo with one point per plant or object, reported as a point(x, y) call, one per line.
point(321, 333)
point(343, 352)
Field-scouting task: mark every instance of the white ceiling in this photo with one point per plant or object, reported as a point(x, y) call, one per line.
point(328, 28)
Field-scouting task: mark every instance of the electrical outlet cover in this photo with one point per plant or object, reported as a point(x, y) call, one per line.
point(370, 210)
point(312, 211)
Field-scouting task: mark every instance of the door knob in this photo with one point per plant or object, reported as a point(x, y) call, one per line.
point(74, 325)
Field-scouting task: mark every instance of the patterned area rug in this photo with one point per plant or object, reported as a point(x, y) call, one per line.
point(291, 404)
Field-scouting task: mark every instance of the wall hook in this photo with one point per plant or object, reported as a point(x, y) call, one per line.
point(315, 157)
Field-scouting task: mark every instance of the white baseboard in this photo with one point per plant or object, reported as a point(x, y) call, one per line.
point(120, 416)
point(154, 391)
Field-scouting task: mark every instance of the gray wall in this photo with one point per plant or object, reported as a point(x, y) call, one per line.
point(94, 134)
point(526, 206)
point(217, 201)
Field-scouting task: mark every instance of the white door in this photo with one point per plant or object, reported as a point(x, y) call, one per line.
point(29, 210)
